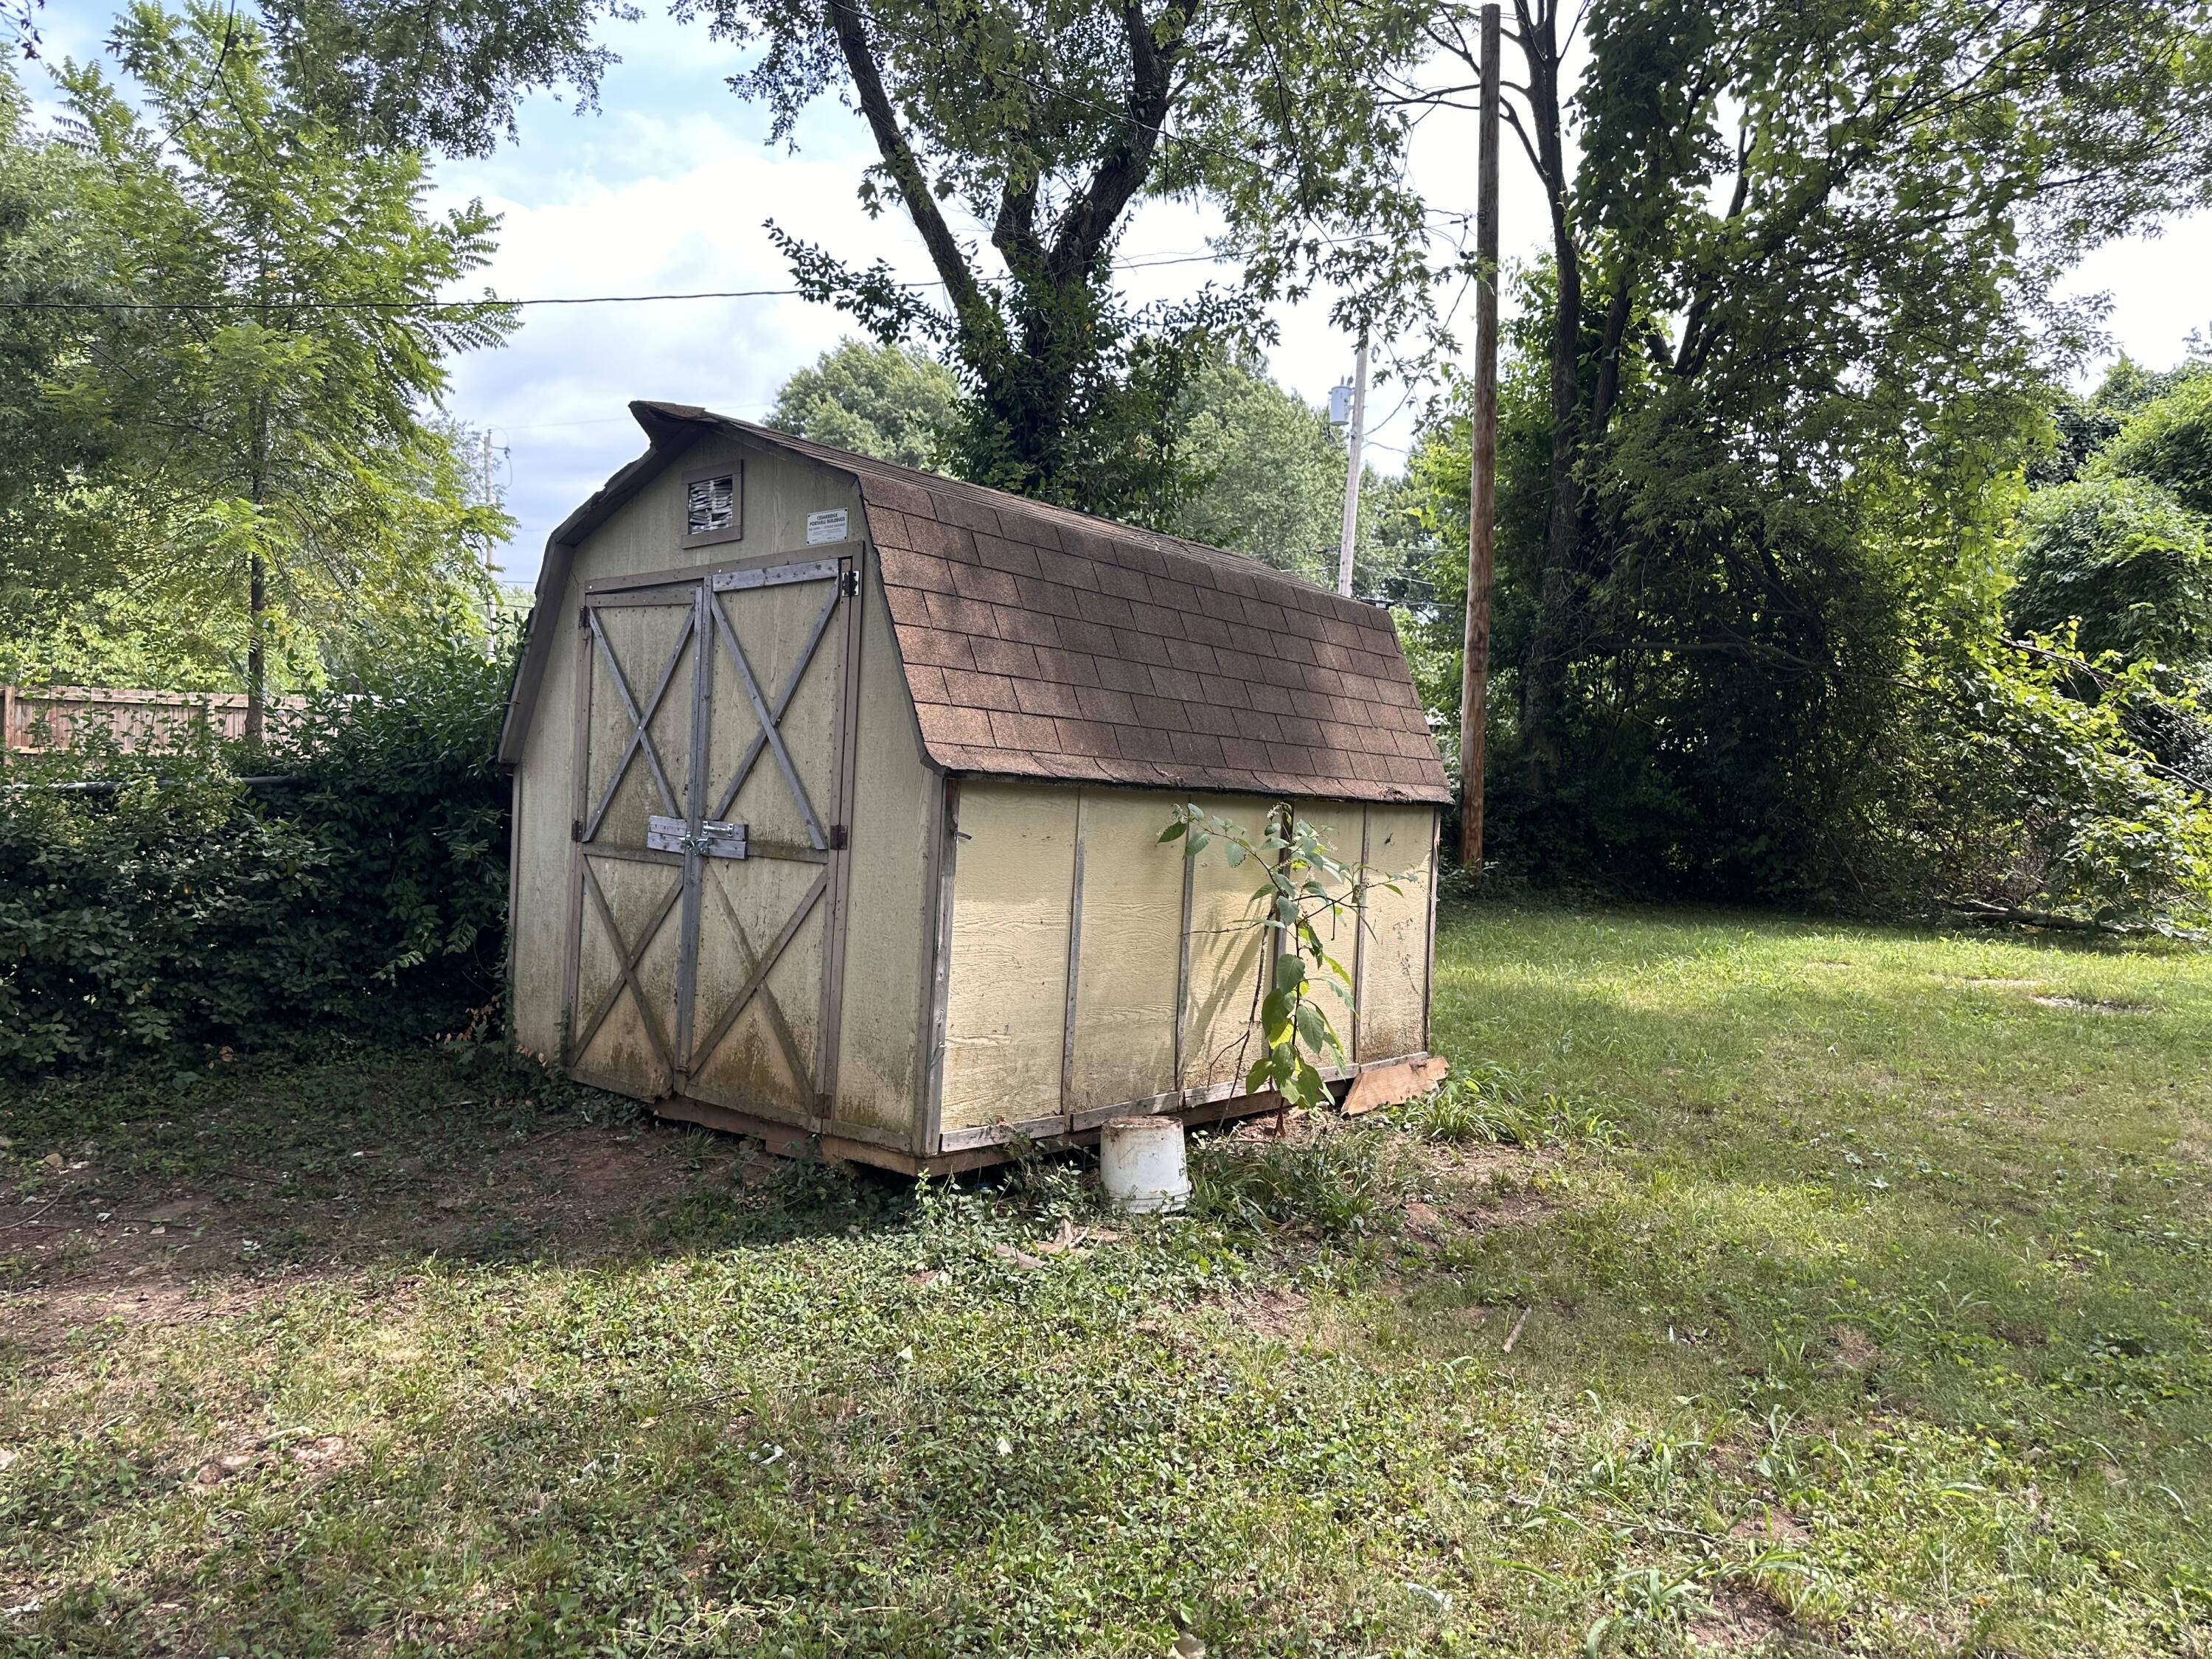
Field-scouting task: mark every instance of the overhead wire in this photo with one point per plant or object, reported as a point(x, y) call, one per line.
point(1044, 86)
point(488, 300)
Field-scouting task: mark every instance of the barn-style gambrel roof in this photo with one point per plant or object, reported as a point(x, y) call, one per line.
point(1040, 642)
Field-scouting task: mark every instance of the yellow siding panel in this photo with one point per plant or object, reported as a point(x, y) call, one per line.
point(1343, 827)
point(1125, 1003)
point(883, 959)
point(1393, 1015)
point(540, 857)
point(1006, 999)
point(1221, 1039)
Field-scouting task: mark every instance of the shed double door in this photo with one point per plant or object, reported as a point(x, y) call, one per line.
point(714, 775)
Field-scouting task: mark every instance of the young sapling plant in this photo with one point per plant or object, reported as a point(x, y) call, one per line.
point(1305, 887)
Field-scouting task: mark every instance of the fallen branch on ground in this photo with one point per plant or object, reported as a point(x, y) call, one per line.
point(2016, 915)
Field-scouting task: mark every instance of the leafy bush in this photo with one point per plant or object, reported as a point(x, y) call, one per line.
point(361, 895)
point(2007, 794)
point(2169, 442)
point(2124, 561)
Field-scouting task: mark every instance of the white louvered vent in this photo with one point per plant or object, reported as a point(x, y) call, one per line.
point(712, 505)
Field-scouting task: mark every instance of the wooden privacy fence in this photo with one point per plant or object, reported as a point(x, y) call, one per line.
point(36, 719)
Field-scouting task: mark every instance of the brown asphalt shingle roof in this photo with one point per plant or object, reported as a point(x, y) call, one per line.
point(1040, 642)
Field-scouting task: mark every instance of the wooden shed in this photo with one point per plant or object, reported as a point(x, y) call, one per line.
point(838, 789)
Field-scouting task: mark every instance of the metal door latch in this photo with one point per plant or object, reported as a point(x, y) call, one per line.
point(714, 839)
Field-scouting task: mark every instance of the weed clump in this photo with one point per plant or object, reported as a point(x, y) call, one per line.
point(1334, 1183)
point(1489, 1106)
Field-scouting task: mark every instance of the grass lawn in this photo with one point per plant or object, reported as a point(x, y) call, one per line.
point(1779, 1288)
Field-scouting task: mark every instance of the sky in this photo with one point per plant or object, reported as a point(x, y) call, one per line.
point(668, 187)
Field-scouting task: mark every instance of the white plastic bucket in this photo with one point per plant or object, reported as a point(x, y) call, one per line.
point(1141, 1162)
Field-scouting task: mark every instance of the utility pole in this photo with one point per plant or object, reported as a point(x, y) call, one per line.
point(1354, 434)
point(1482, 493)
point(489, 500)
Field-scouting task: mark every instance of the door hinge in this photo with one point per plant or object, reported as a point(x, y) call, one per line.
point(849, 584)
point(838, 840)
point(576, 828)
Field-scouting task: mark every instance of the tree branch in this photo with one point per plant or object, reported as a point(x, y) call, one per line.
point(1090, 216)
point(899, 160)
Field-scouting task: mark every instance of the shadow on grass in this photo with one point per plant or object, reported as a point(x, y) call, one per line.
point(245, 1170)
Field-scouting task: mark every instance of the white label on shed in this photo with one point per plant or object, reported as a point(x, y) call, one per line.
point(825, 526)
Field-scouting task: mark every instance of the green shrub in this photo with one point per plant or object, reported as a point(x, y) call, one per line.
point(362, 896)
point(2169, 442)
point(2007, 794)
point(2124, 559)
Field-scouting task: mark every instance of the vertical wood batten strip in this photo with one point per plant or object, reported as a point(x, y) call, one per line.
point(694, 813)
point(1359, 937)
point(580, 766)
point(838, 920)
point(1285, 940)
point(1074, 965)
point(1182, 970)
point(934, 862)
point(1428, 983)
point(948, 876)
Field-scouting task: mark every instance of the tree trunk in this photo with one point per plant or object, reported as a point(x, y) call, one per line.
point(1543, 672)
point(256, 584)
point(257, 655)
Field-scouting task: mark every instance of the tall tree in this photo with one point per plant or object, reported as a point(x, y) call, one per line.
point(52, 257)
point(894, 405)
point(1045, 121)
point(1794, 325)
point(1271, 472)
point(270, 388)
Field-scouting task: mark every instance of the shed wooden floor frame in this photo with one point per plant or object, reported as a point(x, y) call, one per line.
point(879, 1152)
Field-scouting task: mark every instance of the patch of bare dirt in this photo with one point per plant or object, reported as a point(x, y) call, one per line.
point(2089, 1006)
point(1743, 1619)
point(597, 1177)
point(1279, 1313)
point(76, 1255)
point(1425, 1220)
point(1478, 1189)
point(1290, 1128)
point(1854, 1350)
point(73, 1258)
point(1771, 1524)
point(316, 1454)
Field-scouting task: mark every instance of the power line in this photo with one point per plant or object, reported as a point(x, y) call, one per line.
point(490, 300)
point(399, 304)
